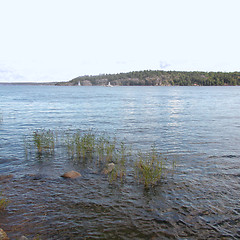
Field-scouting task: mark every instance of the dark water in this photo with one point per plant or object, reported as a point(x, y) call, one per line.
point(199, 127)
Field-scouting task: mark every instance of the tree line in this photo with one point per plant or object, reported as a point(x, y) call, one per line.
point(159, 78)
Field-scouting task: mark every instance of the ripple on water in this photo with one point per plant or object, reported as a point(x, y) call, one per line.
point(200, 201)
point(90, 207)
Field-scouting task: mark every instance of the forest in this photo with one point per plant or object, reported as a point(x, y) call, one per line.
point(158, 78)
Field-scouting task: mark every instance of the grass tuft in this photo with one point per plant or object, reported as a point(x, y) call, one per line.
point(150, 167)
point(98, 151)
point(44, 141)
point(3, 202)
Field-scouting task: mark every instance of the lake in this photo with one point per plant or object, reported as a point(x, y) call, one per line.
point(196, 127)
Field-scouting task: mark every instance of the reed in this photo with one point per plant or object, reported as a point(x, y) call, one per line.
point(121, 157)
point(3, 202)
point(70, 144)
point(97, 151)
point(110, 149)
point(81, 145)
point(124, 152)
point(44, 141)
point(150, 167)
point(100, 148)
point(118, 172)
point(88, 144)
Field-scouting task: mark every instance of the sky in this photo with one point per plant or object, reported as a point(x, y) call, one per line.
point(58, 40)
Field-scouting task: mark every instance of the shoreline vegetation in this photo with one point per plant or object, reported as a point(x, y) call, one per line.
point(158, 78)
point(149, 78)
point(104, 154)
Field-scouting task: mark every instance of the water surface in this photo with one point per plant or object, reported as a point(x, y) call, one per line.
point(199, 127)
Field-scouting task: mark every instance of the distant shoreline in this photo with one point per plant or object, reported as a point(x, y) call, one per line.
point(59, 85)
point(158, 78)
point(149, 78)
point(29, 83)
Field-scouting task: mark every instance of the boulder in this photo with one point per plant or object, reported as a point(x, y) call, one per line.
point(109, 168)
point(3, 235)
point(71, 174)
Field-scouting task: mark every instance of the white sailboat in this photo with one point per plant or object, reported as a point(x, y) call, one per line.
point(79, 83)
point(109, 85)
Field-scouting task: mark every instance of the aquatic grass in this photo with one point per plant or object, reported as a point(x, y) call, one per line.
point(69, 143)
point(93, 150)
point(88, 144)
point(100, 148)
point(118, 172)
point(124, 152)
point(150, 167)
point(81, 145)
point(115, 174)
point(3, 202)
point(120, 159)
point(44, 141)
point(110, 148)
point(97, 150)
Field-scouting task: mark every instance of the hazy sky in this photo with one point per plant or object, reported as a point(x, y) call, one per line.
point(57, 40)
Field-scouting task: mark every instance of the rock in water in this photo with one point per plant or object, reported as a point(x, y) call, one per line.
point(23, 238)
point(71, 174)
point(6, 177)
point(3, 235)
point(109, 168)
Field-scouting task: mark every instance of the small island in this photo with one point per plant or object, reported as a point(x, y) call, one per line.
point(157, 78)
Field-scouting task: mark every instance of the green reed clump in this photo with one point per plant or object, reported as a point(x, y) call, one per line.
point(120, 159)
point(81, 145)
point(3, 202)
point(150, 167)
point(97, 151)
point(44, 141)
point(69, 142)
point(37, 238)
point(110, 149)
point(88, 142)
point(123, 153)
point(100, 148)
point(105, 148)
point(119, 171)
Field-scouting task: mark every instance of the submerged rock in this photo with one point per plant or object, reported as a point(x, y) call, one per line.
point(23, 238)
point(71, 174)
point(3, 235)
point(37, 176)
point(109, 168)
point(6, 177)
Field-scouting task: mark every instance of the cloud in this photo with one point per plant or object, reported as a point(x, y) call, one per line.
point(9, 75)
point(164, 65)
point(119, 62)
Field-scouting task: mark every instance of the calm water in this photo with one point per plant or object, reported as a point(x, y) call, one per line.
point(199, 127)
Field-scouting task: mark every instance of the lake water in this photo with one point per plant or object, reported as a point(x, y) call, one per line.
point(198, 127)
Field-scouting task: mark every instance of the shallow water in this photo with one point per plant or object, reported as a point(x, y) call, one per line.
point(198, 127)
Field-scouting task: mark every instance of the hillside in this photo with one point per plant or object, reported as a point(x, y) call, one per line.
point(158, 78)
